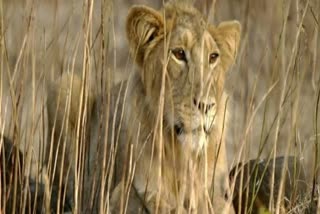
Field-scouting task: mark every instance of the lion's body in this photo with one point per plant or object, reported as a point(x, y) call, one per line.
point(181, 171)
point(168, 120)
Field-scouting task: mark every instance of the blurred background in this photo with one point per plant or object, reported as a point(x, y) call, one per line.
point(273, 87)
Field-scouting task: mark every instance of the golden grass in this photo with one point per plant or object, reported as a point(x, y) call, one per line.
point(274, 86)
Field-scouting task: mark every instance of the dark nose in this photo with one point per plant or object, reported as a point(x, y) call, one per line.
point(203, 106)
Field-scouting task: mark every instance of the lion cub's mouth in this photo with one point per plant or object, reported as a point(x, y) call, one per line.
point(179, 129)
point(195, 138)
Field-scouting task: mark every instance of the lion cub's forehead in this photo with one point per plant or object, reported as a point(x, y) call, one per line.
point(179, 14)
point(188, 38)
point(188, 25)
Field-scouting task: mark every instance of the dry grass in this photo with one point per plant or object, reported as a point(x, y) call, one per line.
point(274, 86)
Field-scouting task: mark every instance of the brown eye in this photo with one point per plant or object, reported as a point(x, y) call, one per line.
point(213, 58)
point(179, 54)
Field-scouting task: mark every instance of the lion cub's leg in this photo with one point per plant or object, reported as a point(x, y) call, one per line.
point(221, 180)
point(129, 203)
point(140, 202)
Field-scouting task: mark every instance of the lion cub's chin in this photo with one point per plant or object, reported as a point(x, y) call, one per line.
point(194, 140)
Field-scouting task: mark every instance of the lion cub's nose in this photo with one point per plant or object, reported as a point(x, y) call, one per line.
point(204, 107)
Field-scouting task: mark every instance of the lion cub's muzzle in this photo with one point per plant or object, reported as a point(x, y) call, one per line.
point(194, 130)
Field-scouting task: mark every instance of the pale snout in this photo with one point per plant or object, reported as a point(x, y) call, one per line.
point(194, 131)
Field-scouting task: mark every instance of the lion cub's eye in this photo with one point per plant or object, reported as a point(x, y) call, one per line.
point(213, 58)
point(179, 54)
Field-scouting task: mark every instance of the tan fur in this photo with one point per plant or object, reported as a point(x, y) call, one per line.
point(174, 174)
point(174, 165)
point(68, 108)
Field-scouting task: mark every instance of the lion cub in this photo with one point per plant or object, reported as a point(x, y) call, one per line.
point(171, 116)
point(176, 108)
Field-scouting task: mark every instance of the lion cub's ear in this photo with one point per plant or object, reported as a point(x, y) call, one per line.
point(144, 25)
point(227, 36)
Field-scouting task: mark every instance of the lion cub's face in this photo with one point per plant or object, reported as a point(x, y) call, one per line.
point(194, 56)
